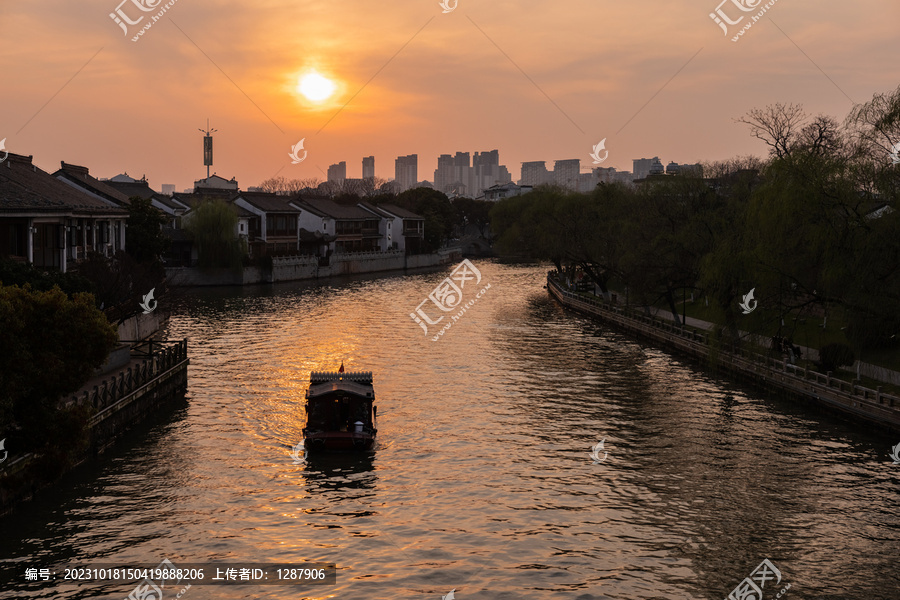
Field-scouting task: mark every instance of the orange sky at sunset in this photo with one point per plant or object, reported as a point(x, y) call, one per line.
point(536, 80)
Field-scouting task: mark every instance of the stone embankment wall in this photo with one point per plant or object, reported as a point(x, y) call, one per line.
point(298, 268)
point(765, 372)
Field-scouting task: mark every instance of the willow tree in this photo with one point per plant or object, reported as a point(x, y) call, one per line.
point(668, 231)
point(213, 226)
point(874, 131)
point(815, 234)
point(531, 225)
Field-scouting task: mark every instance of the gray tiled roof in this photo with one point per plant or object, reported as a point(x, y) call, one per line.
point(168, 201)
point(399, 212)
point(26, 188)
point(268, 202)
point(132, 188)
point(81, 177)
point(330, 208)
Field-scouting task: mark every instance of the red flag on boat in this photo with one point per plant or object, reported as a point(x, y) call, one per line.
point(341, 370)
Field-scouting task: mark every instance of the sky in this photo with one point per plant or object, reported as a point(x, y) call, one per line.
point(537, 80)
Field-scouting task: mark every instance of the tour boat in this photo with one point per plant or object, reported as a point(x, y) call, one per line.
point(340, 411)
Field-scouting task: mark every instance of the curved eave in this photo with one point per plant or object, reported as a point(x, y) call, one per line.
point(316, 390)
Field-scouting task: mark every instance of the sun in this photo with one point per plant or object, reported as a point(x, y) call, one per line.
point(315, 87)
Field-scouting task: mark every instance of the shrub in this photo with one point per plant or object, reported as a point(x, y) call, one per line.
point(833, 356)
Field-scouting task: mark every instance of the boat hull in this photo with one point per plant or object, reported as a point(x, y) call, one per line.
point(338, 441)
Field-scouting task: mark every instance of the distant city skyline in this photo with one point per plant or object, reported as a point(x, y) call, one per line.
point(461, 175)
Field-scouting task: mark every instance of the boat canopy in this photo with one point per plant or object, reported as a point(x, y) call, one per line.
point(351, 387)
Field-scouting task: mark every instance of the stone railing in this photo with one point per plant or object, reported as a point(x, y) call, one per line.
point(364, 255)
point(295, 258)
point(158, 358)
point(846, 395)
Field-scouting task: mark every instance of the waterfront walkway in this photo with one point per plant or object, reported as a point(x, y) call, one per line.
point(762, 371)
point(862, 369)
point(869, 370)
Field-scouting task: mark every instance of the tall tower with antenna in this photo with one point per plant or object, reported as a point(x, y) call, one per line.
point(207, 147)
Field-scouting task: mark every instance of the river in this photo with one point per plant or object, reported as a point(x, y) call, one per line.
point(481, 480)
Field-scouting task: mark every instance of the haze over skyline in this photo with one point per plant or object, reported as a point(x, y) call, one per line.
point(536, 81)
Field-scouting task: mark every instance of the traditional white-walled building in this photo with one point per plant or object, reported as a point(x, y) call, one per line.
point(506, 190)
point(54, 222)
point(271, 221)
point(351, 228)
point(400, 229)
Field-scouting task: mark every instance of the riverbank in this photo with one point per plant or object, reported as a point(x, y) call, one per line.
point(154, 375)
point(299, 268)
point(769, 374)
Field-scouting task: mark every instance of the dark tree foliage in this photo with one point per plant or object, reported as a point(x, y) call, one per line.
point(144, 239)
point(832, 356)
point(18, 273)
point(213, 225)
point(51, 345)
point(120, 282)
point(435, 207)
point(475, 213)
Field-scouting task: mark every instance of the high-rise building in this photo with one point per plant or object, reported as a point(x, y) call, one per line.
point(486, 158)
point(406, 172)
point(457, 177)
point(587, 182)
point(168, 189)
point(488, 171)
point(644, 167)
point(462, 183)
point(610, 175)
point(368, 167)
point(566, 172)
point(641, 167)
point(338, 173)
point(443, 175)
point(535, 173)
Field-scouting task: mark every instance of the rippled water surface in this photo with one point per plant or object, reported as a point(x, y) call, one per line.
point(481, 479)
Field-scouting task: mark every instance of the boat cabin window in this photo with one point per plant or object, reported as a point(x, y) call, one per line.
point(338, 414)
